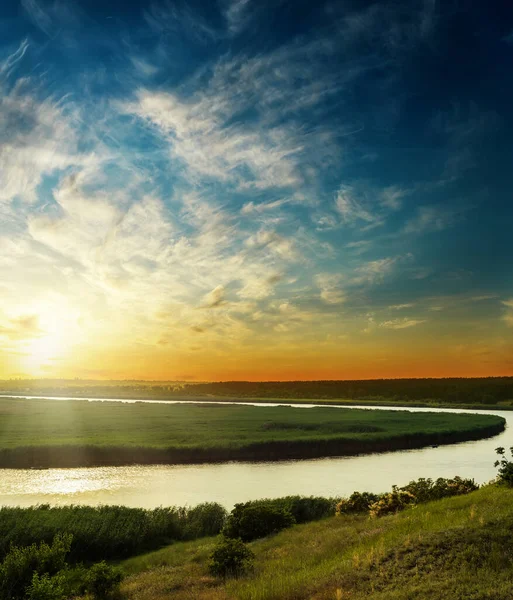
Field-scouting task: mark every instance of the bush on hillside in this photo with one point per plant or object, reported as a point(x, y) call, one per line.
point(252, 521)
point(425, 490)
point(44, 587)
point(19, 566)
point(505, 475)
point(392, 502)
point(357, 502)
point(230, 558)
point(204, 520)
point(102, 581)
point(415, 492)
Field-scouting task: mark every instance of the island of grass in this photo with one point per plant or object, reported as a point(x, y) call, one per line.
point(53, 433)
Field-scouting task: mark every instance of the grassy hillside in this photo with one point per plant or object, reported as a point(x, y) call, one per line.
point(75, 433)
point(457, 549)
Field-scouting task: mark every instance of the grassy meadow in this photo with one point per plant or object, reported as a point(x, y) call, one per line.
point(458, 548)
point(77, 433)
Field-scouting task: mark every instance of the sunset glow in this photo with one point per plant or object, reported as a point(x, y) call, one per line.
point(187, 193)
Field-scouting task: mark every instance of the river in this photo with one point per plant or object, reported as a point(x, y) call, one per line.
point(228, 483)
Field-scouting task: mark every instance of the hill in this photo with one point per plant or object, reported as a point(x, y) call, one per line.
point(457, 548)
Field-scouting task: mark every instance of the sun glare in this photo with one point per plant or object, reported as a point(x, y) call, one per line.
point(57, 330)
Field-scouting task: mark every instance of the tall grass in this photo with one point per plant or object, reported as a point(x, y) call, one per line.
point(107, 532)
point(35, 433)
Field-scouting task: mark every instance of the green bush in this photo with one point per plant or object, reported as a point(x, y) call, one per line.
point(357, 502)
point(505, 475)
point(44, 587)
point(21, 564)
point(392, 502)
point(415, 492)
point(252, 521)
point(304, 509)
point(102, 581)
point(425, 490)
point(230, 558)
point(205, 519)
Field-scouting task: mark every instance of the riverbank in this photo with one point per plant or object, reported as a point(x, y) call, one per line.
point(44, 434)
point(454, 548)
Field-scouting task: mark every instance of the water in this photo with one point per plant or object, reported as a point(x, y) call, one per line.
point(228, 483)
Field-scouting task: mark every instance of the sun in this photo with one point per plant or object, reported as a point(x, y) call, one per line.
point(56, 334)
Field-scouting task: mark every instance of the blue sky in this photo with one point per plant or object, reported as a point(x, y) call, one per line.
point(194, 183)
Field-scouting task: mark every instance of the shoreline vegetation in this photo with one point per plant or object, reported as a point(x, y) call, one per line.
point(52, 433)
point(430, 539)
point(456, 547)
point(475, 393)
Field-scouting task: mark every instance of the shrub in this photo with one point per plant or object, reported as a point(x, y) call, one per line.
point(505, 475)
point(425, 490)
point(204, 519)
point(20, 565)
point(357, 502)
point(305, 509)
point(392, 502)
point(230, 558)
point(102, 580)
point(251, 521)
point(44, 587)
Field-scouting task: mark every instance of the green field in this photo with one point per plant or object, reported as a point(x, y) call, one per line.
point(74, 433)
point(457, 548)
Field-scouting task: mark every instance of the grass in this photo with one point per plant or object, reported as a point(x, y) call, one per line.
point(457, 548)
point(107, 532)
point(77, 433)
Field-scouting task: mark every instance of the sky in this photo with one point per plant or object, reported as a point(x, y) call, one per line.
point(256, 189)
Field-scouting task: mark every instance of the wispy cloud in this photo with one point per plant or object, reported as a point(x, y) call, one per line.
point(508, 314)
point(434, 218)
point(401, 306)
point(215, 298)
point(401, 323)
point(330, 288)
point(375, 271)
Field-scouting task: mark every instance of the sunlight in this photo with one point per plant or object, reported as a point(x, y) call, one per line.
point(58, 329)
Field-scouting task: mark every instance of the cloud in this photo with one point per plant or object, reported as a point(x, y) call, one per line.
point(258, 287)
point(401, 306)
point(143, 67)
point(20, 328)
point(215, 298)
point(508, 314)
point(200, 137)
point(391, 197)
point(274, 243)
point(401, 323)
point(252, 208)
point(37, 138)
point(350, 208)
point(330, 288)
point(433, 218)
point(238, 13)
point(364, 206)
point(375, 271)
point(167, 17)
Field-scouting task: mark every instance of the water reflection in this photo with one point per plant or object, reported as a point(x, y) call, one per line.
point(150, 486)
